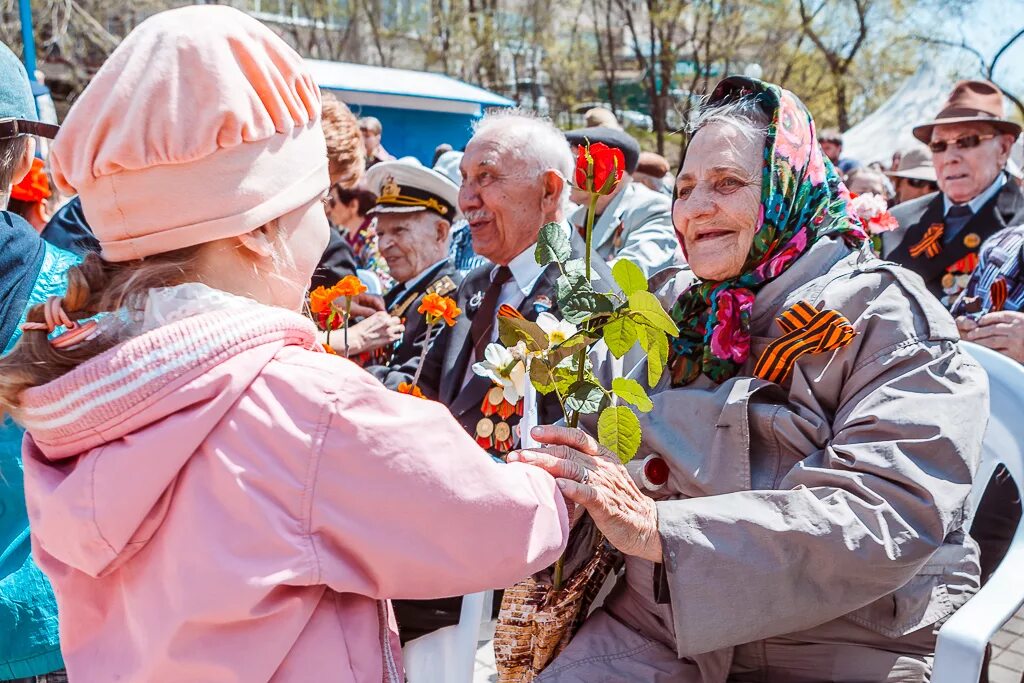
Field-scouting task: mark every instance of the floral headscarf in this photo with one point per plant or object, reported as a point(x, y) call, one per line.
point(802, 200)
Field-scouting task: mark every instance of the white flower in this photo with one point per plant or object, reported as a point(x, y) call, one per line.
point(558, 331)
point(506, 369)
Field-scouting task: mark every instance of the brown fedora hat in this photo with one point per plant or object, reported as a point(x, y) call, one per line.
point(971, 101)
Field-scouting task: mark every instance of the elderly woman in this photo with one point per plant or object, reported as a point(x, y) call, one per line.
point(799, 516)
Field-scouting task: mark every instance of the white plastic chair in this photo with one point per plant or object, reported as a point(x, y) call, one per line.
point(449, 654)
point(960, 650)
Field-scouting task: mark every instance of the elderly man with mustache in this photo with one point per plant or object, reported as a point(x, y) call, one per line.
point(514, 181)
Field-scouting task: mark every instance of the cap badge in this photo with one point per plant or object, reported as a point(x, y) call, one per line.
point(389, 189)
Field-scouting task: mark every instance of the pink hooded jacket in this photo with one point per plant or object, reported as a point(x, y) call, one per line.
point(215, 501)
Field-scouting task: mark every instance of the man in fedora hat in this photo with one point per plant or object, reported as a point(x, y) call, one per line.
point(940, 234)
point(914, 175)
point(415, 209)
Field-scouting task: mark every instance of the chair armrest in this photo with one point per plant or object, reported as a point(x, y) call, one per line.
point(960, 649)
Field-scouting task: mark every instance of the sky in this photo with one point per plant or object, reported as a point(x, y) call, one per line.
point(987, 25)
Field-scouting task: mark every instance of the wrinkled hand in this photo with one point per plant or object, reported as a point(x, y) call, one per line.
point(365, 305)
point(592, 476)
point(380, 329)
point(1002, 331)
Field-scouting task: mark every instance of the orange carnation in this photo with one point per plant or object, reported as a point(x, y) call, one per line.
point(452, 311)
point(349, 286)
point(437, 307)
point(411, 389)
point(320, 299)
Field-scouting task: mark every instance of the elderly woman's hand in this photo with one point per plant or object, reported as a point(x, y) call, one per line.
point(592, 476)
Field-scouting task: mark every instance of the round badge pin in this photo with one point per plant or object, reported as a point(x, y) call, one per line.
point(972, 240)
point(484, 428)
point(948, 280)
point(654, 473)
point(502, 431)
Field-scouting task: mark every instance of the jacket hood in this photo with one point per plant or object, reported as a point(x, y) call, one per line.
point(101, 459)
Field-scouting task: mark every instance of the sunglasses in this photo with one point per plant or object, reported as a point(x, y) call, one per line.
point(965, 142)
point(919, 183)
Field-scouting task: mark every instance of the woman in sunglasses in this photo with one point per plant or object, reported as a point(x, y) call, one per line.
point(940, 234)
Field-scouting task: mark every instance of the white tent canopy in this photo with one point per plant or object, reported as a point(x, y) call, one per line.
point(887, 129)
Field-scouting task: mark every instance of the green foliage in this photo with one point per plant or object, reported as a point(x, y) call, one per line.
point(630, 391)
point(629, 276)
point(618, 430)
point(585, 397)
point(578, 300)
point(647, 305)
point(513, 330)
point(552, 245)
point(620, 333)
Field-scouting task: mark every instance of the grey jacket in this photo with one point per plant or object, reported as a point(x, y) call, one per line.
point(840, 494)
point(636, 225)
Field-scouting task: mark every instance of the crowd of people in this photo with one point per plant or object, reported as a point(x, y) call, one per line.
point(192, 489)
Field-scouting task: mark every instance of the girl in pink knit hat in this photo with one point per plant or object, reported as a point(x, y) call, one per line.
point(213, 498)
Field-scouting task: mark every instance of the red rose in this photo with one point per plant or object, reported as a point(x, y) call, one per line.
point(599, 168)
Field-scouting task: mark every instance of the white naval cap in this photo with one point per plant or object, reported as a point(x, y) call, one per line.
point(402, 187)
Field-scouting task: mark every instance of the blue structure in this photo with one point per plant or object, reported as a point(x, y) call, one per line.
point(419, 110)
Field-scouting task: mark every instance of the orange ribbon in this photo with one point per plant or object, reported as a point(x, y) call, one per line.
point(997, 294)
point(931, 244)
point(807, 330)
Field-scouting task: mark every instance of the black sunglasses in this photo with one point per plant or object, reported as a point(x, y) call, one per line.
point(920, 182)
point(965, 142)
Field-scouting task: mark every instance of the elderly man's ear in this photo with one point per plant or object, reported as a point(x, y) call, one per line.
point(554, 184)
point(1005, 147)
point(444, 228)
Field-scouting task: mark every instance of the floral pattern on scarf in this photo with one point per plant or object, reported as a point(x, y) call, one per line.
point(802, 200)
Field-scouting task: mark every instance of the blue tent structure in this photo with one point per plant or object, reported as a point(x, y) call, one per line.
point(419, 110)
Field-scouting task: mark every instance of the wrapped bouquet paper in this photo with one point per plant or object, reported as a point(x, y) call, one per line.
point(541, 614)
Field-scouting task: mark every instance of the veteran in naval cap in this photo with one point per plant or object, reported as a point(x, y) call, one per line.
point(634, 222)
point(415, 209)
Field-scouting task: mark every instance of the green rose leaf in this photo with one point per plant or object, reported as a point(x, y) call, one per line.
point(559, 353)
point(629, 276)
point(513, 330)
point(647, 305)
point(657, 355)
point(542, 377)
point(584, 397)
point(630, 391)
point(620, 334)
point(576, 267)
point(618, 430)
point(578, 301)
point(552, 245)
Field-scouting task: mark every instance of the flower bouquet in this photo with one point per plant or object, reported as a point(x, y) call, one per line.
point(436, 309)
point(327, 314)
point(550, 356)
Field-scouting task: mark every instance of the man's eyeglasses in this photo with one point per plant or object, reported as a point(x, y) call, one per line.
point(964, 142)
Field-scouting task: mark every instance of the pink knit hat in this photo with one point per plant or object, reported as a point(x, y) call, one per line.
point(201, 125)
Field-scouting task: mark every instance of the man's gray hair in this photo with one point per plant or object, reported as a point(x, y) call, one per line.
point(743, 114)
point(531, 138)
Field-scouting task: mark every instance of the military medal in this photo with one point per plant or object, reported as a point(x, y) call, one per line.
point(502, 437)
point(542, 303)
point(972, 241)
point(492, 399)
point(484, 431)
point(476, 300)
point(948, 280)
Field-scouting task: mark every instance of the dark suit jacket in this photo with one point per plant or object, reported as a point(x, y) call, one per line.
point(1005, 208)
point(411, 345)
